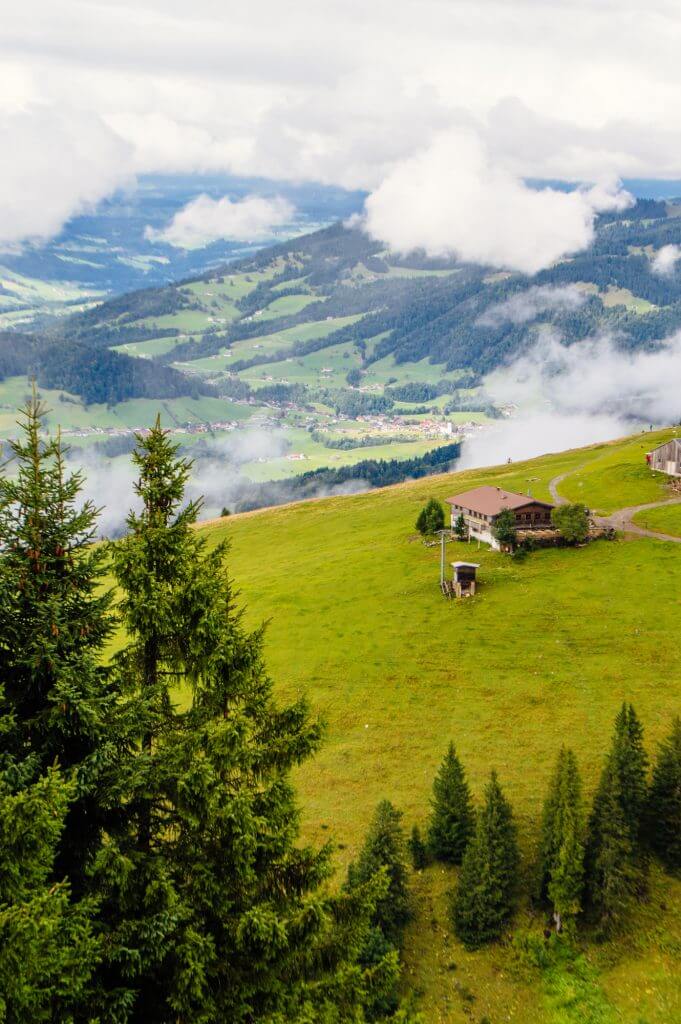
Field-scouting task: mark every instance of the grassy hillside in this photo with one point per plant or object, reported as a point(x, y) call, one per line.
point(666, 520)
point(545, 653)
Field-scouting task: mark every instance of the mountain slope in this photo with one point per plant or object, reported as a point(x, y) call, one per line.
point(544, 654)
point(394, 318)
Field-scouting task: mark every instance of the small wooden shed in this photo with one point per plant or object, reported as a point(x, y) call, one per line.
point(464, 577)
point(666, 458)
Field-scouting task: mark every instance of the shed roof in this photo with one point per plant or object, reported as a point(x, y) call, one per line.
point(490, 501)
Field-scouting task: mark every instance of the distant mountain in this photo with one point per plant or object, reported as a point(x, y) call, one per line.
point(107, 251)
point(339, 291)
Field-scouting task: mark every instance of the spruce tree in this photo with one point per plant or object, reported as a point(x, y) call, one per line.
point(632, 762)
point(483, 901)
point(384, 851)
point(460, 528)
point(663, 816)
point(213, 911)
point(431, 518)
point(615, 859)
point(451, 819)
point(612, 873)
point(562, 842)
point(47, 946)
point(54, 622)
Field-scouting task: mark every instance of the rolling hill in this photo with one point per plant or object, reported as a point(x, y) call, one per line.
point(348, 351)
point(544, 654)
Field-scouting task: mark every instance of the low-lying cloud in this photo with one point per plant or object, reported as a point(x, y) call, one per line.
point(567, 396)
point(527, 305)
point(216, 477)
point(205, 220)
point(450, 199)
point(665, 259)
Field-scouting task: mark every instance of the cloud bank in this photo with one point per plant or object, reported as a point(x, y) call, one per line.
point(205, 220)
point(346, 94)
point(218, 468)
point(567, 396)
point(55, 164)
point(451, 200)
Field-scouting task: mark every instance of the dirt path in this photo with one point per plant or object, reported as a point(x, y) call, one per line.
point(558, 499)
point(622, 518)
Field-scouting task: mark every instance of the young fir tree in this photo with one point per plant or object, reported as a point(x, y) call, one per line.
point(612, 874)
point(483, 901)
point(460, 528)
point(615, 860)
point(384, 851)
point(54, 622)
point(663, 817)
point(452, 819)
point(431, 518)
point(504, 528)
point(562, 842)
point(47, 947)
point(213, 912)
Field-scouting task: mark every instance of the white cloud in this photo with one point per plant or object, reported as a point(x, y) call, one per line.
point(594, 376)
point(205, 220)
point(522, 307)
point(567, 396)
point(55, 163)
point(450, 200)
point(665, 259)
point(350, 94)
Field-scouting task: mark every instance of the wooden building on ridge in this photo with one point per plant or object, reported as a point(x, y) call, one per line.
point(482, 506)
point(666, 458)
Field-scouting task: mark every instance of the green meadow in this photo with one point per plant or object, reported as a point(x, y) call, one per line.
point(69, 413)
point(543, 654)
point(665, 520)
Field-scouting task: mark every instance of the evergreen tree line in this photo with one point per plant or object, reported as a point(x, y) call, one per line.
point(151, 868)
point(591, 867)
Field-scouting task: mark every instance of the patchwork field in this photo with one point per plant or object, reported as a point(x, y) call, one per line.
point(544, 654)
point(69, 413)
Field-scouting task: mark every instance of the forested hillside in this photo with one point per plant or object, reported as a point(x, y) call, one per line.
point(457, 316)
point(343, 345)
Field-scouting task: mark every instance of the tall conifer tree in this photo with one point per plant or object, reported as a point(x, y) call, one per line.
point(451, 818)
point(663, 815)
point(384, 849)
point(562, 842)
point(484, 897)
point(54, 623)
point(615, 858)
point(47, 946)
point(214, 912)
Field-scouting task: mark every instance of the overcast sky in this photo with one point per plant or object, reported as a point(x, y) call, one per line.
point(436, 107)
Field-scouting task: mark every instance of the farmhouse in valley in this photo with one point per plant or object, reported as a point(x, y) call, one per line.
point(482, 506)
point(666, 458)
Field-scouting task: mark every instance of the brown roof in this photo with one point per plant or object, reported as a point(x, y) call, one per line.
point(490, 501)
